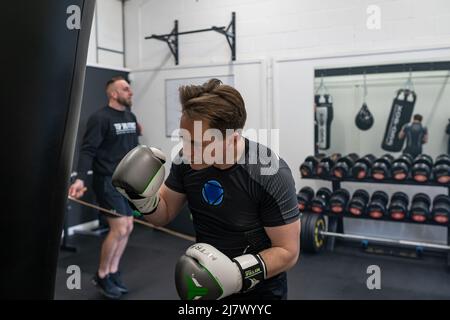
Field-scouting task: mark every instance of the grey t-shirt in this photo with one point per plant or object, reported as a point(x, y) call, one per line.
point(414, 133)
point(231, 207)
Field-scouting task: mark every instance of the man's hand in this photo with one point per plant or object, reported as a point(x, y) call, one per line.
point(77, 189)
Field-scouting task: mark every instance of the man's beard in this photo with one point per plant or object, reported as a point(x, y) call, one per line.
point(125, 102)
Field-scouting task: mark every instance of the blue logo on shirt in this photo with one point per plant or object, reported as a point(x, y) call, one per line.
point(212, 192)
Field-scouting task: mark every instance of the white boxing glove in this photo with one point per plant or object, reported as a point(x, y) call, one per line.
point(138, 177)
point(204, 272)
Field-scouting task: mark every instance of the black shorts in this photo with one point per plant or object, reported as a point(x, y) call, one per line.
point(109, 198)
point(274, 288)
point(412, 152)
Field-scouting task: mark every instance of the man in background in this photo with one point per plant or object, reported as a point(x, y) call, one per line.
point(110, 133)
point(416, 135)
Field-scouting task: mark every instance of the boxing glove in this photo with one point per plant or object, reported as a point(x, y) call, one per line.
point(205, 273)
point(138, 177)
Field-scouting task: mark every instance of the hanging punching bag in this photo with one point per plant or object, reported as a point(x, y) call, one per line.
point(364, 118)
point(323, 118)
point(44, 54)
point(401, 112)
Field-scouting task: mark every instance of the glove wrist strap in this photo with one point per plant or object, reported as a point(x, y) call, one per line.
point(253, 270)
point(153, 206)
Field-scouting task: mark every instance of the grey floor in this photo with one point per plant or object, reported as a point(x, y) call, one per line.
point(148, 270)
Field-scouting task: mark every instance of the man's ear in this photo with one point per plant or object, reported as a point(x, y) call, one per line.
point(113, 94)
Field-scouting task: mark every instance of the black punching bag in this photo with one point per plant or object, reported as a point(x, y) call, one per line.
point(43, 60)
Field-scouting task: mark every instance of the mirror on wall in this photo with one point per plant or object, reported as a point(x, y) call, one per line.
point(383, 109)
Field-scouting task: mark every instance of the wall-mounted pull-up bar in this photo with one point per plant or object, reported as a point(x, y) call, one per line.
point(172, 38)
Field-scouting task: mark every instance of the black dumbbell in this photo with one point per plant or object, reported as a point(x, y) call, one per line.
point(339, 200)
point(358, 204)
point(441, 209)
point(378, 203)
point(343, 166)
point(326, 164)
point(420, 207)
point(422, 168)
point(381, 168)
point(401, 167)
point(304, 197)
point(398, 208)
point(309, 167)
point(441, 169)
point(321, 202)
point(361, 168)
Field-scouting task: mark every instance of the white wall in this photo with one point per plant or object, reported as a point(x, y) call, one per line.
point(279, 28)
point(149, 105)
point(106, 33)
point(291, 37)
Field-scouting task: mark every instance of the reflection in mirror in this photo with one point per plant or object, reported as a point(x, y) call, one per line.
point(392, 109)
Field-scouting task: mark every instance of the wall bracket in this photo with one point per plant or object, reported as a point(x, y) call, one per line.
point(172, 38)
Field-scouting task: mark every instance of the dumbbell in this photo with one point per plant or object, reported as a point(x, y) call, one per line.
point(326, 164)
point(401, 167)
point(441, 209)
point(343, 166)
point(358, 204)
point(304, 197)
point(361, 168)
point(339, 200)
point(420, 207)
point(422, 168)
point(441, 169)
point(378, 203)
point(321, 202)
point(398, 208)
point(381, 168)
point(309, 166)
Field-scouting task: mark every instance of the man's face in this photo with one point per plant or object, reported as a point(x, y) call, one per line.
point(122, 92)
point(203, 145)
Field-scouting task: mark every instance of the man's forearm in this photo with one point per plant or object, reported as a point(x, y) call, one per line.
point(278, 260)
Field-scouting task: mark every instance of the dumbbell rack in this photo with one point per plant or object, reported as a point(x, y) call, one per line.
point(335, 222)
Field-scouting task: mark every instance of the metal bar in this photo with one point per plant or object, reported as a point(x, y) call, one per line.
point(336, 184)
point(384, 218)
point(155, 36)
point(388, 68)
point(386, 240)
point(175, 41)
point(368, 180)
point(142, 222)
point(448, 243)
point(201, 30)
point(233, 31)
point(110, 50)
point(123, 33)
point(332, 225)
point(222, 30)
point(173, 44)
point(96, 33)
